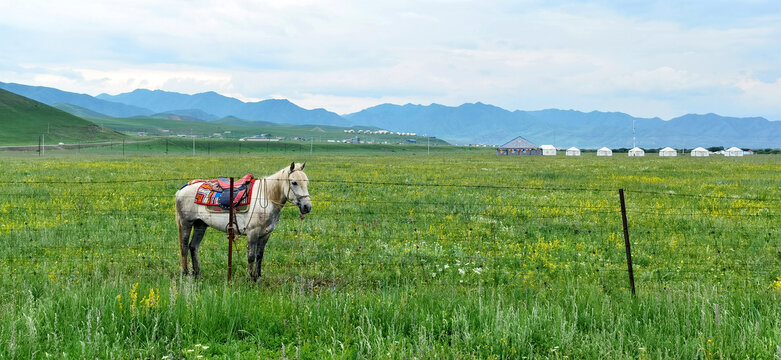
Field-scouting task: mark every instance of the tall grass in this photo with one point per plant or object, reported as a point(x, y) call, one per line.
point(452, 255)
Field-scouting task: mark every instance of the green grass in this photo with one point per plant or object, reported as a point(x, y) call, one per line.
point(242, 128)
point(461, 254)
point(25, 120)
point(156, 146)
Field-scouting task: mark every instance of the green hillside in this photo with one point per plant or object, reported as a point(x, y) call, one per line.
point(24, 120)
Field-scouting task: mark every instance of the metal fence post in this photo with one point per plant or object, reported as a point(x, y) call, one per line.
point(231, 233)
point(626, 241)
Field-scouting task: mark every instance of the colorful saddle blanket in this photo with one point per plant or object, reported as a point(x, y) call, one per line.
point(215, 194)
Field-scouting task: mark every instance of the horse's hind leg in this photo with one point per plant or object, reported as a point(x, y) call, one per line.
point(195, 243)
point(185, 228)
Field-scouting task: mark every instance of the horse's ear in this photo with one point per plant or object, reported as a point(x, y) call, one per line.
point(302, 165)
point(292, 166)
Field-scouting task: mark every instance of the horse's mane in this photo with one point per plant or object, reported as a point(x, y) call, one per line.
point(274, 184)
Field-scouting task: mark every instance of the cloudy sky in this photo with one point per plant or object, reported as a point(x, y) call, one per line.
point(646, 58)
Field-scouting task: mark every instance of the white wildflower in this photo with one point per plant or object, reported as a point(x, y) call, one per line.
point(477, 270)
point(461, 271)
point(447, 266)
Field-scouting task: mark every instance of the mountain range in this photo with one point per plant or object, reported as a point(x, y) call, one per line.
point(464, 124)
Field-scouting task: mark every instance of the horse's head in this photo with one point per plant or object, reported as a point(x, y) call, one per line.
point(297, 191)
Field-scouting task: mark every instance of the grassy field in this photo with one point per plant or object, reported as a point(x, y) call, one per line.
point(243, 128)
point(460, 254)
point(159, 146)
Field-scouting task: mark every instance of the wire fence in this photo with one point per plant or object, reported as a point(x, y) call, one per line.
point(345, 212)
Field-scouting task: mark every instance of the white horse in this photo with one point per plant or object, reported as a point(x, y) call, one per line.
point(269, 195)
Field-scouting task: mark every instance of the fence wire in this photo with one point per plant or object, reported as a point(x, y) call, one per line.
point(574, 216)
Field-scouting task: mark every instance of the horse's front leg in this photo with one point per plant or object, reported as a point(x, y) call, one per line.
point(256, 245)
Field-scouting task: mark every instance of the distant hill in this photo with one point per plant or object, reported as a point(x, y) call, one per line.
point(50, 96)
point(25, 120)
point(272, 110)
point(186, 114)
point(232, 120)
point(78, 111)
point(482, 123)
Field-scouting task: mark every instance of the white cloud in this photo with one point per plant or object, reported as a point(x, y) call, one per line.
point(346, 55)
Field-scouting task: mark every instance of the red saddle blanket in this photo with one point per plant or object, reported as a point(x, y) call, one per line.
point(217, 191)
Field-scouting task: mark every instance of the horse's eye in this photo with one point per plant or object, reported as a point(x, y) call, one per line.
point(294, 183)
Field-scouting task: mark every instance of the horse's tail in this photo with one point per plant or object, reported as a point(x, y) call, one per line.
point(182, 258)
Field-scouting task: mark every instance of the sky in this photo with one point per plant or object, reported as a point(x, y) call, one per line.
point(645, 58)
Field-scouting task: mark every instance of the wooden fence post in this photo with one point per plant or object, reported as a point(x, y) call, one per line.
point(626, 241)
point(231, 233)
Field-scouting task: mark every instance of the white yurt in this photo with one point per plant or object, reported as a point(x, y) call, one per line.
point(548, 150)
point(604, 152)
point(668, 151)
point(636, 151)
point(733, 151)
point(698, 152)
point(573, 151)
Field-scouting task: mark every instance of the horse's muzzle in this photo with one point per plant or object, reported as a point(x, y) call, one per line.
point(305, 208)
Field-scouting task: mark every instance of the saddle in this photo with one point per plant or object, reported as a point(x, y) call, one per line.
point(225, 183)
point(215, 194)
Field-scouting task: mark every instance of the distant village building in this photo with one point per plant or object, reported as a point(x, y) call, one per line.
point(733, 151)
point(603, 151)
point(573, 151)
point(668, 151)
point(636, 151)
point(548, 150)
point(261, 137)
point(519, 146)
point(699, 152)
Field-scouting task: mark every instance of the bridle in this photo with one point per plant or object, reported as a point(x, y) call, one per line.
point(290, 189)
